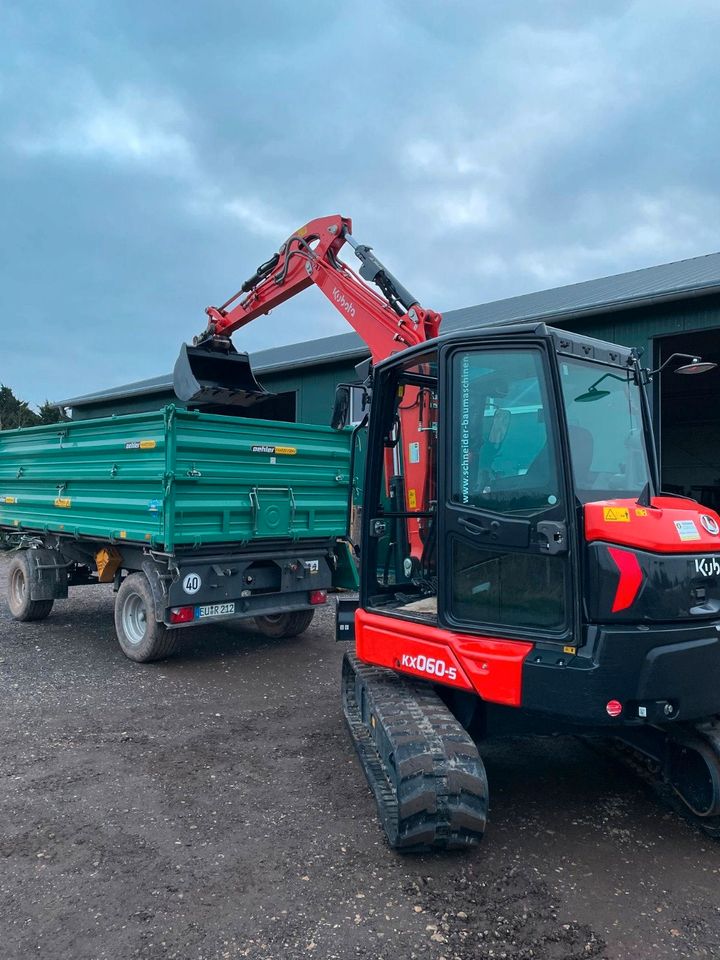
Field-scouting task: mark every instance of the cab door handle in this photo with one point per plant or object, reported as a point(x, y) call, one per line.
point(477, 529)
point(470, 526)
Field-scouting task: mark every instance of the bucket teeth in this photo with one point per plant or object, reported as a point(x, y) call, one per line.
point(424, 770)
point(207, 375)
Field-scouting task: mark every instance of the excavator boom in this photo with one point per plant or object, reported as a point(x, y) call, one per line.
point(388, 321)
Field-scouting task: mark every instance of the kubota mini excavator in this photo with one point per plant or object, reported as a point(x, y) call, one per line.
point(521, 569)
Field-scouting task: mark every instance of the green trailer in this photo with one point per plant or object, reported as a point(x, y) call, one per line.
point(192, 516)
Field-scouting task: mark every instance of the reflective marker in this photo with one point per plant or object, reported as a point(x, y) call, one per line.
point(630, 578)
point(182, 614)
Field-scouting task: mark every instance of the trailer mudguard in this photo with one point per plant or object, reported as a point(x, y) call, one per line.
point(48, 575)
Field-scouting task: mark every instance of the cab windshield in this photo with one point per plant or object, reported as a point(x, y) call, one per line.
point(605, 427)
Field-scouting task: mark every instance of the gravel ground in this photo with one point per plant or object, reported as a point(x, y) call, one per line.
point(211, 807)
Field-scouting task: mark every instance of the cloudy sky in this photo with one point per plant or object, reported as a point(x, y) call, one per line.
point(153, 153)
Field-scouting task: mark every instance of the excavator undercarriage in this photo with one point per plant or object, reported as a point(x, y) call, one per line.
point(429, 781)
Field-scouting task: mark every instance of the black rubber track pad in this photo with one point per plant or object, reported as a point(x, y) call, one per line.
point(424, 769)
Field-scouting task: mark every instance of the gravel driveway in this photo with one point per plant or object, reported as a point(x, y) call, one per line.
point(211, 807)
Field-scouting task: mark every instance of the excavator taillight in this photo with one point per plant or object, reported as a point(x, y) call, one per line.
point(182, 614)
point(317, 596)
point(614, 708)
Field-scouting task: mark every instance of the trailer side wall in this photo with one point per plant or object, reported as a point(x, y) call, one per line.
point(174, 478)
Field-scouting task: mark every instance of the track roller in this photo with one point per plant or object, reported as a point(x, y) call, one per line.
point(423, 768)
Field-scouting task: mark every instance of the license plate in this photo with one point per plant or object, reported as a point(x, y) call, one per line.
point(214, 610)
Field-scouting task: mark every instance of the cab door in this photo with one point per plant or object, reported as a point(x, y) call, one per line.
point(505, 521)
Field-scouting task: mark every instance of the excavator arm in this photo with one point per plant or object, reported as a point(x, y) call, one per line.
point(388, 321)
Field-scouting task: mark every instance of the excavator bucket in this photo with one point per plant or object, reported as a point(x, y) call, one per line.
point(206, 375)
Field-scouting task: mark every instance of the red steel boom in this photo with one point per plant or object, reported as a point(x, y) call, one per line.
point(386, 323)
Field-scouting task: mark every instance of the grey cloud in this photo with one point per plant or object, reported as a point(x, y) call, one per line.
point(151, 155)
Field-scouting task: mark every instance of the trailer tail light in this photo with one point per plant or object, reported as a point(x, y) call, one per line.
point(317, 596)
point(614, 708)
point(630, 578)
point(182, 614)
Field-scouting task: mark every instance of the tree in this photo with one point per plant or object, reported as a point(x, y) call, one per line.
point(49, 413)
point(17, 413)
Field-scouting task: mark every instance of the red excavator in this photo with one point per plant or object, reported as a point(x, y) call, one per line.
point(521, 570)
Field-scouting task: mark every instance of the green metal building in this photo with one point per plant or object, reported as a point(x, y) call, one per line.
point(673, 307)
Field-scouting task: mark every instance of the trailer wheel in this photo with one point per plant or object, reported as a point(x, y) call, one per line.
point(279, 626)
point(22, 607)
point(140, 636)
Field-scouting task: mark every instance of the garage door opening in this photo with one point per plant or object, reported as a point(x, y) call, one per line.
point(689, 419)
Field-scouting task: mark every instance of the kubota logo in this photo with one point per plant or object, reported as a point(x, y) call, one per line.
point(343, 302)
point(707, 566)
point(710, 524)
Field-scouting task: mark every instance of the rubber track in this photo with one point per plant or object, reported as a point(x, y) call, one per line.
point(424, 770)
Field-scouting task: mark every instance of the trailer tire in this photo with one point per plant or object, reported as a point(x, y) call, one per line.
point(139, 634)
point(22, 607)
point(281, 626)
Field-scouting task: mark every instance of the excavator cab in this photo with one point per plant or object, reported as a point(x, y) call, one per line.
point(476, 530)
point(216, 373)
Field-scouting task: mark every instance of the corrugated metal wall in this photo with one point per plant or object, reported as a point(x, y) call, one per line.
point(638, 327)
point(176, 477)
point(314, 386)
point(643, 326)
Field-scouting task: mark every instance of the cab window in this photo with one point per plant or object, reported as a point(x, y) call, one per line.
point(504, 446)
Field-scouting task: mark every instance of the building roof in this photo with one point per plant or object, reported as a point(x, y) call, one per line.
point(638, 288)
point(666, 282)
